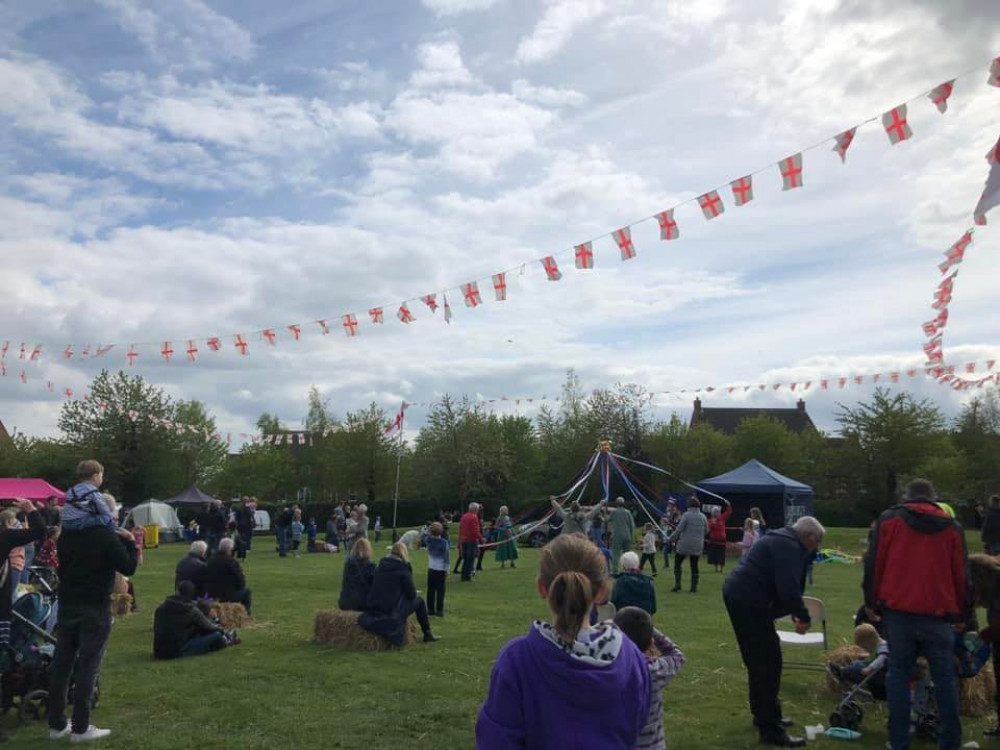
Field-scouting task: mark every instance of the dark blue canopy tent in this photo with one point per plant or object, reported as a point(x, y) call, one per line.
point(781, 500)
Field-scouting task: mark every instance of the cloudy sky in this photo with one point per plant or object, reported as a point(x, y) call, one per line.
point(201, 168)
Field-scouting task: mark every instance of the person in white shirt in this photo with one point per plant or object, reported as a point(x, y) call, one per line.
point(648, 547)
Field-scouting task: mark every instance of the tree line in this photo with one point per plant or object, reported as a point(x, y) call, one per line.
point(466, 452)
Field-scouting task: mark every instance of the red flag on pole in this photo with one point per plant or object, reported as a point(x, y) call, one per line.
point(397, 423)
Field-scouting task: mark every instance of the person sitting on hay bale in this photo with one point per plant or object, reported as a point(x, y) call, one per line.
point(359, 570)
point(224, 580)
point(192, 568)
point(393, 598)
point(984, 572)
point(868, 638)
point(180, 628)
point(632, 587)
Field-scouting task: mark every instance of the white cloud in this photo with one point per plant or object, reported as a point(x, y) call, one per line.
point(556, 27)
point(454, 7)
point(183, 33)
point(440, 65)
point(546, 95)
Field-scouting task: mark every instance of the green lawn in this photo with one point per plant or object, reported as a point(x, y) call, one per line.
point(277, 689)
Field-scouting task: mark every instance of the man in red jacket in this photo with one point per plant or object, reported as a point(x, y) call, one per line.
point(469, 538)
point(915, 580)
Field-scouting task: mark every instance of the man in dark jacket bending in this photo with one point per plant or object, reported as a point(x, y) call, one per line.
point(181, 629)
point(767, 584)
point(915, 582)
point(224, 579)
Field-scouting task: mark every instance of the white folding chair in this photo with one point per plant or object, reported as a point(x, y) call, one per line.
point(815, 637)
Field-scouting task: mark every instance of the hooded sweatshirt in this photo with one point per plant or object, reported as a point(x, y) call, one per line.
point(85, 507)
point(916, 563)
point(545, 693)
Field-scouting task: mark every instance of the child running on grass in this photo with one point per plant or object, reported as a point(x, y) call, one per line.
point(437, 568)
point(562, 684)
point(638, 626)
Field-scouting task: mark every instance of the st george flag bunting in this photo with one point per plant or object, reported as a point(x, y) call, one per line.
point(269, 335)
point(956, 252)
point(934, 327)
point(584, 256)
point(323, 327)
point(711, 205)
point(192, 350)
point(447, 310)
point(623, 238)
point(132, 354)
point(296, 331)
point(500, 286)
point(471, 293)
point(376, 316)
point(991, 192)
point(240, 343)
point(939, 95)
point(791, 172)
point(431, 301)
point(668, 227)
point(397, 423)
point(742, 190)
point(552, 271)
point(404, 314)
point(214, 343)
point(894, 122)
point(166, 351)
point(350, 323)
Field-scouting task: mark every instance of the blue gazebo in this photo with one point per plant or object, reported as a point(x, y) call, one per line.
point(781, 500)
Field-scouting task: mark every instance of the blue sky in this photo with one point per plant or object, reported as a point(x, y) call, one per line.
point(189, 169)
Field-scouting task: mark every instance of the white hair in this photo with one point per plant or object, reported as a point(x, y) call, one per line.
point(809, 525)
point(226, 545)
point(503, 510)
point(629, 561)
point(363, 508)
point(473, 507)
point(199, 548)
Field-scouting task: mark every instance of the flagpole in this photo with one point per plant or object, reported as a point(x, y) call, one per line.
point(399, 460)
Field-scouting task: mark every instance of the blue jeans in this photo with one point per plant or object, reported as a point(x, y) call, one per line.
point(282, 532)
point(202, 644)
point(911, 636)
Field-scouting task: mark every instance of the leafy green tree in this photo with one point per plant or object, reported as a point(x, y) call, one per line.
point(977, 436)
point(770, 442)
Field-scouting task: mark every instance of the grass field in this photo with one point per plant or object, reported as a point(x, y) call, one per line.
point(277, 689)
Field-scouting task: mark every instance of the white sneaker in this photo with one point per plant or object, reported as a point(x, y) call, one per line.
point(92, 733)
point(58, 734)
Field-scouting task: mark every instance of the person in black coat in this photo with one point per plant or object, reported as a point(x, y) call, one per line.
point(359, 571)
point(244, 527)
point(181, 629)
point(224, 579)
point(393, 598)
point(991, 527)
point(192, 568)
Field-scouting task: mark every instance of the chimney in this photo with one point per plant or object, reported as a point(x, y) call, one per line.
point(802, 406)
point(696, 416)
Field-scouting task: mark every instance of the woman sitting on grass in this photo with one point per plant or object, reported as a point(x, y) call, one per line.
point(393, 598)
point(565, 684)
point(357, 581)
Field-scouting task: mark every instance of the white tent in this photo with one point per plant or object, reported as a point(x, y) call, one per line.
point(162, 515)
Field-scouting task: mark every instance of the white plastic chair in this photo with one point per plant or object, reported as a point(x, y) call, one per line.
point(815, 637)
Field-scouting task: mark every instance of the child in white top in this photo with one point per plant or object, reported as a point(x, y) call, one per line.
point(648, 548)
point(750, 535)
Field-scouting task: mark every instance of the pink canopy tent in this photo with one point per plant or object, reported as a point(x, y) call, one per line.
point(32, 489)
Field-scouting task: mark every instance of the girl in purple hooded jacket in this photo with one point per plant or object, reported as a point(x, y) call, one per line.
point(564, 684)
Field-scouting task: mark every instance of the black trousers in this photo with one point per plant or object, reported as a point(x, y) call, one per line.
point(242, 597)
point(649, 557)
point(81, 637)
point(469, 552)
point(416, 606)
point(435, 590)
point(761, 651)
point(678, 560)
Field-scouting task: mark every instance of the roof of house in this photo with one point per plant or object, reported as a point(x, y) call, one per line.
point(727, 419)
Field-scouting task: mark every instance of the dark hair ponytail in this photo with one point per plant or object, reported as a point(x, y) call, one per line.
point(570, 599)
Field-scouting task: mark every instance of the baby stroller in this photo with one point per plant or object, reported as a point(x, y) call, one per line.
point(848, 713)
point(25, 659)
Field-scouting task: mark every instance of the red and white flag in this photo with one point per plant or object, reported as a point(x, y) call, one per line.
point(791, 172)
point(500, 286)
point(940, 94)
point(37, 352)
point(296, 331)
point(431, 301)
point(376, 315)
point(166, 351)
point(471, 293)
point(934, 327)
point(742, 190)
point(404, 314)
point(67, 352)
point(397, 423)
point(551, 268)
point(956, 252)
point(668, 226)
point(584, 256)
point(711, 205)
point(991, 192)
point(268, 335)
point(240, 343)
point(447, 310)
point(623, 238)
point(214, 343)
point(192, 351)
point(323, 327)
point(994, 79)
point(896, 127)
point(933, 350)
point(350, 324)
point(132, 354)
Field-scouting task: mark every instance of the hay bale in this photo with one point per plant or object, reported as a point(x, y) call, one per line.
point(231, 615)
point(339, 628)
point(976, 695)
point(841, 657)
point(121, 605)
